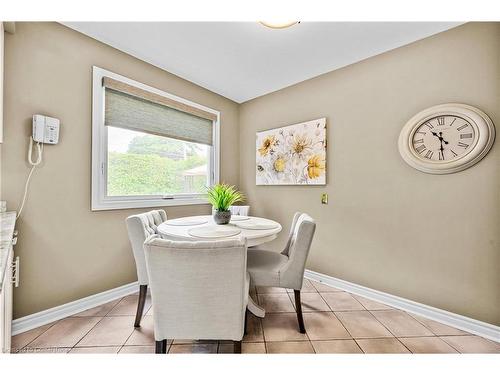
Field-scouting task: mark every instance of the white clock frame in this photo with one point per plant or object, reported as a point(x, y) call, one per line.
point(483, 127)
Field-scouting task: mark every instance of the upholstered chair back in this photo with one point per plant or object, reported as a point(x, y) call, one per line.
point(292, 231)
point(199, 289)
point(292, 273)
point(240, 210)
point(139, 228)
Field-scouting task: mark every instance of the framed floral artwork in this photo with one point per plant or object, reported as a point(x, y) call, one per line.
point(292, 155)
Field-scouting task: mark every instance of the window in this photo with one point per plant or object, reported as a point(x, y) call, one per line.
point(149, 148)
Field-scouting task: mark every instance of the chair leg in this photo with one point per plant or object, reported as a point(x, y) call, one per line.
point(161, 347)
point(237, 347)
point(298, 307)
point(245, 326)
point(143, 289)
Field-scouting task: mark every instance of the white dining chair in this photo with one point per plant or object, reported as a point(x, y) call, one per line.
point(239, 210)
point(285, 269)
point(139, 228)
point(199, 289)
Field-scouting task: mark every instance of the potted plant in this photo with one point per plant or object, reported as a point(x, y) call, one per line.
point(222, 196)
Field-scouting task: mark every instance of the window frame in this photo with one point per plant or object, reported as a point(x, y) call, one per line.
point(100, 201)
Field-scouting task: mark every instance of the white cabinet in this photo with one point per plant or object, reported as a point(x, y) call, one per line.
point(9, 273)
point(6, 306)
point(1, 78)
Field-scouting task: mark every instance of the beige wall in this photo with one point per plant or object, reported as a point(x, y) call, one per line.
point(432, 239)
point(68, 252)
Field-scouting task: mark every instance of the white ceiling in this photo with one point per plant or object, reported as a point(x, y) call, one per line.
point(244, 60)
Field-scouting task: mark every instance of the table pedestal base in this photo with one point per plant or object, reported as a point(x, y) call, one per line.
point(255, 309)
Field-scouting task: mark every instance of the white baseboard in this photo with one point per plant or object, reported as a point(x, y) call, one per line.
point(464, 323)
point(59, 312)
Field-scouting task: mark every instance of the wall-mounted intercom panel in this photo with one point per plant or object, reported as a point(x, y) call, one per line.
point(45, 129)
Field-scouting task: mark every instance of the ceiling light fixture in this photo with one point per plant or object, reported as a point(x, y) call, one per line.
point(278, 24)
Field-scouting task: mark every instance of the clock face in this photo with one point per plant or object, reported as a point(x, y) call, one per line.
point(446, 138)
point(443, 138)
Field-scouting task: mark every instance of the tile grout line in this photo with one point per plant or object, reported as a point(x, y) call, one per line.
point(41, 333)
point(387, 309)
point(402, 343)
point(116, 304)
point(365, 338)
point(437, 337)
point(333, 312)
point(95, 325)
point(433, 334)
point(365, 309)
point(102, 317)
point(286, 312)
point(453, 347)
point(340, 321)
point(74, 317)
point(419, 322)
point(359, 346)
point(131, 333)
point(396, 337)
point(387, 328)
point(100, 320)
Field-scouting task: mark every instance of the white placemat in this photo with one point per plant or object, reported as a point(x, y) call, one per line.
point(214, 231)
point(187, 221)
point(239, 218)
point(257, 225)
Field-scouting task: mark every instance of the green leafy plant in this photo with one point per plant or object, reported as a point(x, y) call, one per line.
point(221, 196)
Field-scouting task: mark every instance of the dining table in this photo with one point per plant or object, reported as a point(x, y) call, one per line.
point(256, 230)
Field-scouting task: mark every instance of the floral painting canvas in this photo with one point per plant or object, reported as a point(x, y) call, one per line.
point(292, 155)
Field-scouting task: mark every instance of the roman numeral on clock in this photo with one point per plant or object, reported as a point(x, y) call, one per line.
point(464, 145)
point(418, 141)
point(462, 127)
point(440, 120)
point(454, 153)
point(468, 135)
point(441, 155)
point(420, 149)
point(429, 154)
point(429, 125)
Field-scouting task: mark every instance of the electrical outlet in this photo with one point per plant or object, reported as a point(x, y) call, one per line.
point(324, 198)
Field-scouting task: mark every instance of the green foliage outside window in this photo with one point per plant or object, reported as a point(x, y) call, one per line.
point(155, 165)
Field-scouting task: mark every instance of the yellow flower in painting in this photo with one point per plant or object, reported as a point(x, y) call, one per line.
point(267, 144)
point(315, 166)
point(300, 143)
point(279, 164)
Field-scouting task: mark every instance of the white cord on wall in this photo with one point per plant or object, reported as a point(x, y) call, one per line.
point(33, 164)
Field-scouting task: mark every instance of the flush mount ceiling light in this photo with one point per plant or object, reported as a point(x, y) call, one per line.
point(278, 24)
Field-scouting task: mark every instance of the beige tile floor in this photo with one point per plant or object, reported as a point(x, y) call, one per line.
point(336, 322)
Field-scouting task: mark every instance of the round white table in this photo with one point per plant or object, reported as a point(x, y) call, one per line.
point(179, 229)
point(182, 230)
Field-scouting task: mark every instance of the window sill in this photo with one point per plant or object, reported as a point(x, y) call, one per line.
point(105, 205)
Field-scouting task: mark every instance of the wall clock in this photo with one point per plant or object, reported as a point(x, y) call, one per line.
point(446, 138)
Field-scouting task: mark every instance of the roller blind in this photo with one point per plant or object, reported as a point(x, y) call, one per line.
point(132, 108)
